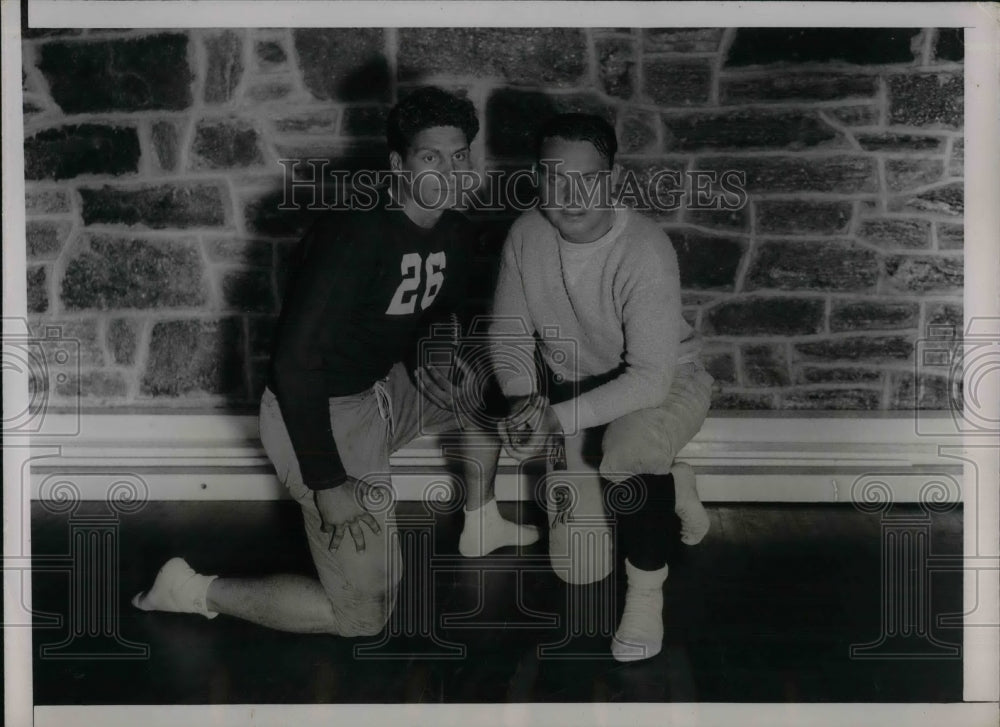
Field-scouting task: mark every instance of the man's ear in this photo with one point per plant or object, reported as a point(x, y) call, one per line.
point(395, 161)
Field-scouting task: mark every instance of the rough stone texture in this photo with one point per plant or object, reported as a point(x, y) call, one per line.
point(797, 87)
point(247, 290)
point(903, 174)
point(69, 151)
point(270, 55)
point(721, 365)
point(891, 234)
point(950, 236)
point(156, 207)
point(765, 366)
point(945, 200)
point(670, 82)
point(799, 265)
point(950, 44)
point(225, 66)
point(873, 315)
point(832, 399)
point(927, 99)
point(543, 57)
point(346, 64)
point(166, 144)
point(940, 317)
point(803, 216)
point(844, 174)
point(749, 129)
point(255, 253)
point(923, 392)
point(682, 40)
point(888, 141)
point(46, 238)
point(837, 375)
point(38, 296)
point(616, 66)
point(365, 121)
point(134, 74)
point(765, 316)
point(638, 133)
point(123, 339)
point(195, 357)
point(757, 46)
point(956, 164)
point(46, 201)
point(269, 91)
point(225, 144)
point(867, 349)
point(323, 122)
point(75, 342)
point(855, 115)
point(923, 274)
point(732, 400)
point(707, 262)
point(93, 385)
point(512, 116)
point(113, 273)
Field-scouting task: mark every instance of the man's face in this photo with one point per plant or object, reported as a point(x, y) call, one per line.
point(435, 154)
point(575, 184)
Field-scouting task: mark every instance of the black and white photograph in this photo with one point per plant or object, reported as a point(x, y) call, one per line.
point(487, 362)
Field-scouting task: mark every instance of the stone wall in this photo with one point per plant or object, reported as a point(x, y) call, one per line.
point(155, 240)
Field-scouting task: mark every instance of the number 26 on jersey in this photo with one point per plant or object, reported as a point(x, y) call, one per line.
point(414, 268)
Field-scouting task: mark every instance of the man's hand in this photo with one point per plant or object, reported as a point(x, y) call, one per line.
point(341, 510)
point(531, 428)
point(448, 387)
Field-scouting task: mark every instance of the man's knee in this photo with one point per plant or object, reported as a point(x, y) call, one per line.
point(360, 614)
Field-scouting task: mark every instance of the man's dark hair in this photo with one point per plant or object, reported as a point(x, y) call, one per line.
point(580, 127)
point(426, 108)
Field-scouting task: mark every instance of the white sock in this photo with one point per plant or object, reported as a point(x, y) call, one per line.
point(177, 588)
point(486, 530)
point(694, 519)
point(640, 633)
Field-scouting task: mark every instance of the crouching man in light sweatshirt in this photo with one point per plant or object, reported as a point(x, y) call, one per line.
point(621, 389)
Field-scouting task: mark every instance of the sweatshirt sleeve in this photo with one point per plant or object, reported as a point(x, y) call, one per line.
point(333, 268)
point(651, 318)
point(511, 332)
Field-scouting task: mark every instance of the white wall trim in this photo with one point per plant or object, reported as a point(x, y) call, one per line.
point(737, 458)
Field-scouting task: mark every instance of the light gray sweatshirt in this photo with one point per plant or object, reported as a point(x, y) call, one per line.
point(595, 306)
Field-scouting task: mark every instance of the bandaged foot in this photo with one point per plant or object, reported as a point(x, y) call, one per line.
point(640, 633)
point(177, 588)
point(486, 530)
point(694, 518)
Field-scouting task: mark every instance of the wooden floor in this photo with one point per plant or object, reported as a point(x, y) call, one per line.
point(766, 609)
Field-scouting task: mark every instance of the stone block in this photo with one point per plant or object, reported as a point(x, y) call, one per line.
point(943, 316)
point(225, 65)
point(842, 174)
point(131, 74)
point(950, 236)
point(860, 46)
point(343, 64)
point(838, 375)
point(810, 266)
point(112, 273)
point(927, 99)
point(765, 316)
point(926, 392)
point(616, 64)
point(873, 315)
point(674, 83)
point(956, 164)
point(254, 253)
point(803, 216)
point(70, 151)
point(707, 262)
point(270, 55)
point(741, 401)
point(948, 199)
point(46, 201)
point(638, 133)
point(324, 122)
point(748, 129)
point(166, 144)
point(949, 46)
point(94, 385)
point(765, 365)
point(894, 234)
point(890, 141)
point(189, 204)
point(225, 144)
point(797, 87)
point(924, 273)
point(123, 340)
point(904, 174)
point(833, 399)
point(45, 238)
point(868, 349)
point(37, 290)
point(189, 357)
point(855, 115)
point(682, 40)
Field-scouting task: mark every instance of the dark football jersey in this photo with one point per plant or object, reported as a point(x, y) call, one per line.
point(367, 286)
